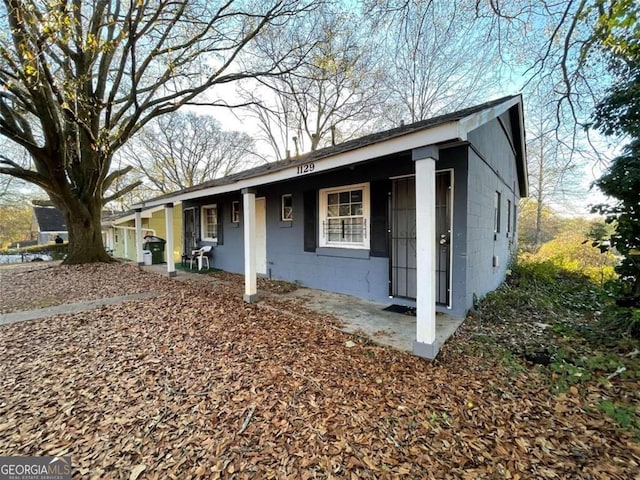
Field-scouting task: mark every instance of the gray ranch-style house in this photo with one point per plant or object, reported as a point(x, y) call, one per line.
point(424, 214)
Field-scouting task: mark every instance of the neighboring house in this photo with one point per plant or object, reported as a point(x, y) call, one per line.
point(421, 215)
point(121, 231)
point(47, 223)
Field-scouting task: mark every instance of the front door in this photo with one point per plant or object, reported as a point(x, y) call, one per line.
point(443, 237)
point(261, 236)
point(403, 238)
point(190, 242)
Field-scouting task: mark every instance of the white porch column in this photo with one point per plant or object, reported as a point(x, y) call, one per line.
point(168, 217)
point(139, 258)
point(250, 271)
point(426, 344)
point(110, 243)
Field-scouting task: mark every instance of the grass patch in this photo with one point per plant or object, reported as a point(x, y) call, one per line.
point(624, 415)
point(204, 271)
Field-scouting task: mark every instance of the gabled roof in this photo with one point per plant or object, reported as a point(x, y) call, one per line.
point(441, 129)
point(50, 219)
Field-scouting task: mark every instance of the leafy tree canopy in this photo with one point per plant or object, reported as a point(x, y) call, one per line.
point(619, 114)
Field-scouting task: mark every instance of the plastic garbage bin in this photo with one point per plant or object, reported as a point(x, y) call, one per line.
point(147, 257)
point(156, 246)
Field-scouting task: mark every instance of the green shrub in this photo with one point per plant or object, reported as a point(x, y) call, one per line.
point(573, 251)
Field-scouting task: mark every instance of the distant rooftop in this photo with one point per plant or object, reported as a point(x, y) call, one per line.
point(50, 219)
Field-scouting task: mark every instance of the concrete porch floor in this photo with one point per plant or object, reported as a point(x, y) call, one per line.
point(357, 316)
point(368, 318)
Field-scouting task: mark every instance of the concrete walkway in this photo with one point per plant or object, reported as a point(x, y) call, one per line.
point(15, 317)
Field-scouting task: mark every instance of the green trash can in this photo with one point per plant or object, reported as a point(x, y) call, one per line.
point(156, 246)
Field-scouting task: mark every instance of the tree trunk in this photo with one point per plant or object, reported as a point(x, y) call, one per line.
point(537, 240)
point(85, 236)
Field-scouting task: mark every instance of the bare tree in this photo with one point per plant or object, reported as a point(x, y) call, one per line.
point(78, 79)
point(550, 42)
point(332, 95)
point(180, 150)
point(439, 58)
point(15, 191)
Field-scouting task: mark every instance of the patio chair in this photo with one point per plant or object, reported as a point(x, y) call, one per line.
point(200, 256)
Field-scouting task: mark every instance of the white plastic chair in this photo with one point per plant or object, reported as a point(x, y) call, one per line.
point(201, 255)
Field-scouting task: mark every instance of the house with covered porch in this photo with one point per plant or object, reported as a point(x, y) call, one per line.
point(421, 215)
point(120, 231)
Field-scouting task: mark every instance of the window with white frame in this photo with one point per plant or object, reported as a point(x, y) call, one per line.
point(344, 216)
point(235, 212)
point(508, 217)
point(209, 220)
point(286, 211)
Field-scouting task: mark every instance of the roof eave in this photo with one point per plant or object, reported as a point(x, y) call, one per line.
point(441, 133)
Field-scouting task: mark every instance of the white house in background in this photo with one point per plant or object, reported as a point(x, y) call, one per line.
point(47, 223)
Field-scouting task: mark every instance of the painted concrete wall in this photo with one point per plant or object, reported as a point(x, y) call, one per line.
point(456, 159)
point(46, 238)
point(353, 272)
point(158, 223)
point(479, 170)
point(492, 169)
point(124, 240)
point(126, 237)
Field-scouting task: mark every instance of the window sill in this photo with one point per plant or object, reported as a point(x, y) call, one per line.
point(286, 223)
point(342, 252)
point(234, 224)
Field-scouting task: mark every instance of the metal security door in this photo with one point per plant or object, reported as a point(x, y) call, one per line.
point(443, 232)
point(190, 242)
point(403, 238)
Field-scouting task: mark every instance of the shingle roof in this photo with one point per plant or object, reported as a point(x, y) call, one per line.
point(340, 148)
point(50, 219)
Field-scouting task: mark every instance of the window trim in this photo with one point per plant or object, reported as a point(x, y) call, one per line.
point(235, 211)
point(508, 217)
point(282, 216)
point(203, 219)
point(497, 212)
point(366, 215)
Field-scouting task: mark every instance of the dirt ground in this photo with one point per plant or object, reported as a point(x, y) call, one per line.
point(193, 383)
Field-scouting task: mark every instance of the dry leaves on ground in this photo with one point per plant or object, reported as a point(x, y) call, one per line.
point(196, 384)
point(40, 285)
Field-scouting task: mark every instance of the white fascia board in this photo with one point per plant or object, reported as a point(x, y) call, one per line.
point(148, 213)
point(475, 120)
point(437, 134)
point(523, 146)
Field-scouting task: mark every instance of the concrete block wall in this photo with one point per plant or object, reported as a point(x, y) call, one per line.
point(492, 168)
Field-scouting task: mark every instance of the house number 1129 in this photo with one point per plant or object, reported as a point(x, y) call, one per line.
point(306, 168)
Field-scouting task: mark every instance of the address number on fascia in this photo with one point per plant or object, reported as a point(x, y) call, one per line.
point(305, 168)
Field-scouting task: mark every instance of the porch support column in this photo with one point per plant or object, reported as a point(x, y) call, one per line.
point(168, 217)
point(426, 344)
point(126, 242)
point(250, 270)
point(139, 258)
